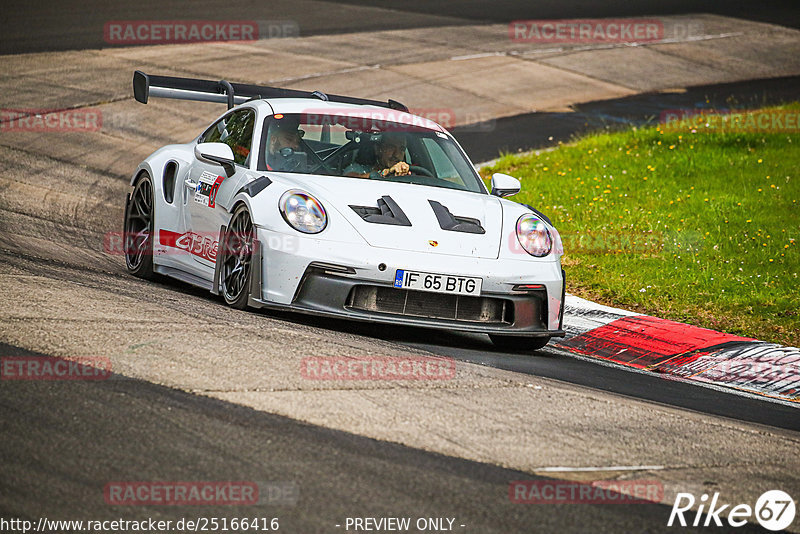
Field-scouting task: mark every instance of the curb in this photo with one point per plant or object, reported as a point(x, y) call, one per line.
point(679, 351)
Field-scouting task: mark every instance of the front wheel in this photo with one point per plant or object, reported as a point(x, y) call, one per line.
point(518, 343)
point(237, 255)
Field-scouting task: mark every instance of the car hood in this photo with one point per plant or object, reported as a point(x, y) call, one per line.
point(425, 233)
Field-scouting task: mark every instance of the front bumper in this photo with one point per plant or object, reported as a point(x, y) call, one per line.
point(330, 279)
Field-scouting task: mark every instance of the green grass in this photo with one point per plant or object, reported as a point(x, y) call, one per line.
point(701, 228)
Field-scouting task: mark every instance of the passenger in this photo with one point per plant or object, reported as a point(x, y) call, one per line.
point(284, 133)
point(390, 153)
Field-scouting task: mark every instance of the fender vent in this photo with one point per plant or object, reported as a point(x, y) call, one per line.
point(169, 181)
point(387, 212)
point(454, 223)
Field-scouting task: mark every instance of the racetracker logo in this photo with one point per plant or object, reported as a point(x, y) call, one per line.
point(586, 31)
point(730, 121)
point(379, 120)
point(181, 493)
point(49, 368)
point(595, 492)
point(590, 242)
point(146, 32)
point(391, 120)
point(375, 368)
point(204, 244)
point(466, 121)
point(774, 510)
point(52, 120)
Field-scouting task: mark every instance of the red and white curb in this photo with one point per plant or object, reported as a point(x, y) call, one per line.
point(680, 351)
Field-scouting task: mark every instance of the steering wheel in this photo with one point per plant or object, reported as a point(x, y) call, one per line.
point(420, 171)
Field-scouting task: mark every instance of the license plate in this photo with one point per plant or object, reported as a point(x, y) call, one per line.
point(437, 283)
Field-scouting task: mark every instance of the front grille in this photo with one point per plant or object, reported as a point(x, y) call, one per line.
point(485, 310)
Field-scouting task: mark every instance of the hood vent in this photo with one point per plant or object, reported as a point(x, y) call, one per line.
point(454, 223)
point(387, 212)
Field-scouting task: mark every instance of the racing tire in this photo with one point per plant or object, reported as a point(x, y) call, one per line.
point(236, 263)
point(518, 343)
point(138, 228)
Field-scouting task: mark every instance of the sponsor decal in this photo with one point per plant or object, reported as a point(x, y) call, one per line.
point(198, 245)
point(207, 187)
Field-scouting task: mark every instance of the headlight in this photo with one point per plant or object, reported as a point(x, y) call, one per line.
point(534, 236)
point(303, 212)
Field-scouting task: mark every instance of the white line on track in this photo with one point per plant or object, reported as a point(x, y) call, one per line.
point(600, 468)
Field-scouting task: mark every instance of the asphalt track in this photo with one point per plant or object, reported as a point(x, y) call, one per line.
point(44, 25)
point(62, 442)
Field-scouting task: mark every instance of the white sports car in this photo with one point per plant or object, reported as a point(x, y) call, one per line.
point(343, 207)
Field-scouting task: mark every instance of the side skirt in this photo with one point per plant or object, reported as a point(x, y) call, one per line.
point(183, 276)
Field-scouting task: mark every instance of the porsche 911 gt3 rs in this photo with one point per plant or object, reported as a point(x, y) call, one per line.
point(343, 207)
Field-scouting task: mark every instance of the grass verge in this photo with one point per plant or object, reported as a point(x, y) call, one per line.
point(688, 222)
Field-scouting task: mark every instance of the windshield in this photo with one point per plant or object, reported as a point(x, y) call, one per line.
point(367, 147)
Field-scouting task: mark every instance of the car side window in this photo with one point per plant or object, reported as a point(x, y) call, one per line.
point(236, 131)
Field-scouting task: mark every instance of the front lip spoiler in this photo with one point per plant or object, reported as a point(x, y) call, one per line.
point(372, 317)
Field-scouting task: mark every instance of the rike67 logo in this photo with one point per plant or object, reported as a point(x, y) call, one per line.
point(774, 510)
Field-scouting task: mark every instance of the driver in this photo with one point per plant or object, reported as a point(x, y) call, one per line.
point(390, 152)
point(284, 133)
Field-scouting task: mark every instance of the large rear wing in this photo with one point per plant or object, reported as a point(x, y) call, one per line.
point(224, 92)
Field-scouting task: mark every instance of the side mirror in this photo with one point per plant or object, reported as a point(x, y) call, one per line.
point(218, 153)
point(504, 185)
